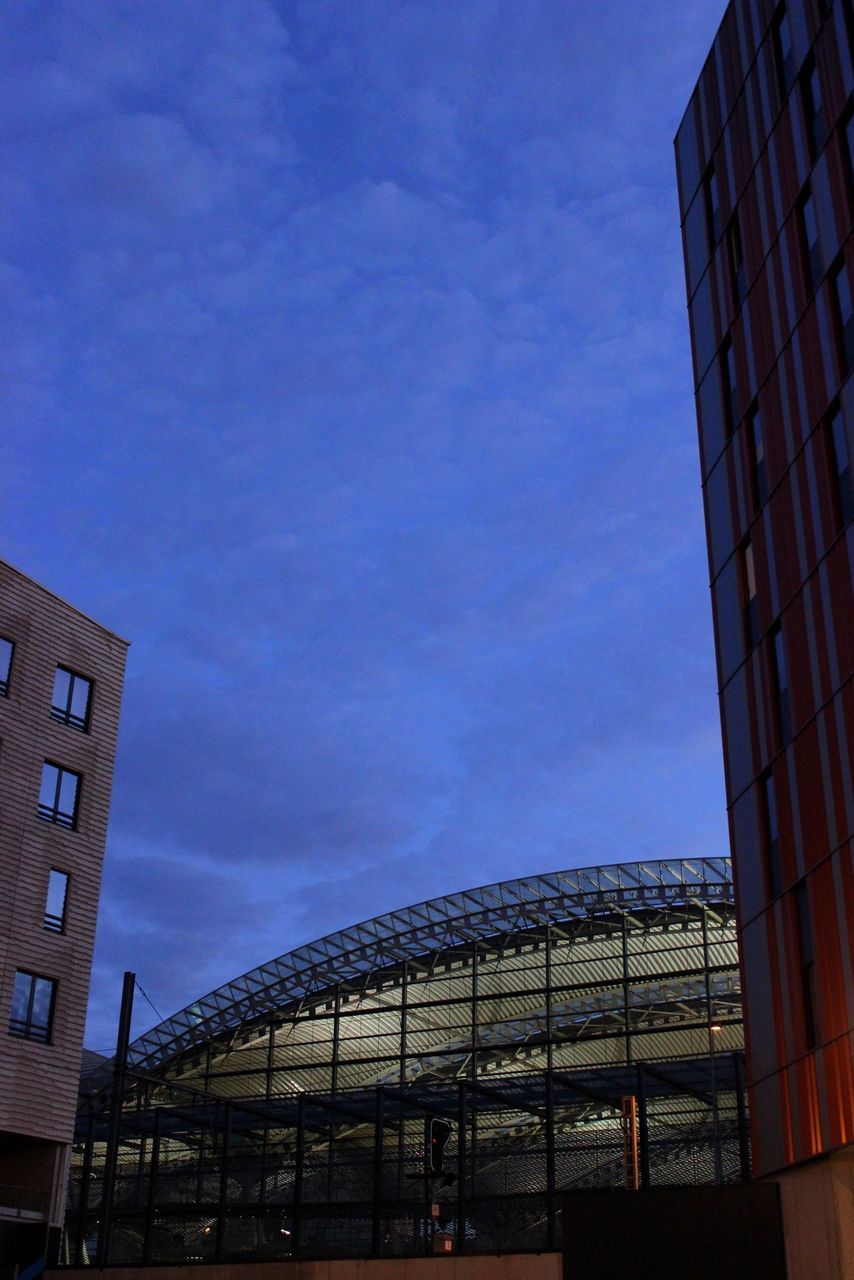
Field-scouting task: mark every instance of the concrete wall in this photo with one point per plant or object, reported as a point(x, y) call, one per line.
point(529, 1266)
point(818, 1218)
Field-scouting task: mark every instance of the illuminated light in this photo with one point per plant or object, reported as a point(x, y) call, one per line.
point(716, 1026)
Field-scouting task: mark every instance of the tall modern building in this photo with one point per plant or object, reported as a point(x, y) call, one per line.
point(764, 158)
point(60, 688)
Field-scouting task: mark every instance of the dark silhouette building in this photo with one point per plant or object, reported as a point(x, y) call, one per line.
point(764, 158)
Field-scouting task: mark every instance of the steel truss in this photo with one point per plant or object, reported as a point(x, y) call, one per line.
point(283, 1114)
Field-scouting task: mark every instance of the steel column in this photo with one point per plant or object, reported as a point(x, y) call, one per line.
point(643, 1129)
point(112, 1155)
point(474, 1011)
point(404, 1011)
point(551, 1183)
point(462, 1127)
point(549, 1014)
point(85, 1179)
point(152, 1187)
point(336, 1036)
point(376, 1233)
point(743, 1126)
point(223, 1186)
point(299, 1162)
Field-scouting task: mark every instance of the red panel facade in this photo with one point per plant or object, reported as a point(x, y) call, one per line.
point(764, 158)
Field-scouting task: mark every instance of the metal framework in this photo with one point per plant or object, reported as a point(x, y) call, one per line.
point(283, 1113)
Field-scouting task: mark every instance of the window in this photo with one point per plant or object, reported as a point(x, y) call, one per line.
point(72, 696)
point(784, 51)
point(840, 458)
point(33, 1000)
point(57, 900)
point(737, 270)
point(807, 958)
point(770, 832)
point(748, 594)
point(780, 682)
point(844, 316)
point(730, 385)
point(6, 651)
point(811, 245)
point(813, 106)
point(711, 196)
point(59, 797)
point(758, 461)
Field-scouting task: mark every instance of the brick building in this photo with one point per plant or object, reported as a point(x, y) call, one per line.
point(764, 157)
point(60, 689)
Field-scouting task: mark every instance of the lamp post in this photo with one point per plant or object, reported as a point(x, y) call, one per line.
point(714, 1029)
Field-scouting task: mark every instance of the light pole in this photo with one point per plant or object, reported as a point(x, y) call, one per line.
point(714, 1029)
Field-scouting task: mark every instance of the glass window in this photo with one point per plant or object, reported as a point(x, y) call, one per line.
point(780, 679)
point(844, 316)
point(737, 270)
point(59, 797)
point(784, 51)
point(840, 457)
point(72, 696)
point(57, 900)
point(6, 650)
point(730, 382)
point(33, 1000)
point(813, 106)
point(758, 461)
point(748, 590)
point(713, 206)
point(771, 832)
point(807, 957)
point(811, 242)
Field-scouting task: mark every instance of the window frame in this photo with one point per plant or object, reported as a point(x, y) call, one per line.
point(54, 923)
point(735, 261)
point(65, 715)
point(811, 250)
point(27, 1028)
point(712, 203)
point(749, 594)
point(779, 666)
point(806, 961)
point(784, 59)
point(758, 456)
point(5, 680)
point(729, 381)
point(769, 810)
point(843, 327)
point(52, 813)
point(843, 476)
point(809, 80)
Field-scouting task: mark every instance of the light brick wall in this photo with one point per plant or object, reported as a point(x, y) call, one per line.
point(38, 1083)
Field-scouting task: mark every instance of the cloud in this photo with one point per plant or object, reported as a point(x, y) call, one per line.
point(348, 374)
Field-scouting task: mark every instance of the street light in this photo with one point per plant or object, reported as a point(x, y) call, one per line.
point(714, 1029)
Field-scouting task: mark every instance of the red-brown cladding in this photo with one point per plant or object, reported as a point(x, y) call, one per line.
point(766, 199)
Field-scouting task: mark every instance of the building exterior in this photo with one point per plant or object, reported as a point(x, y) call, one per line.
point(546, 1021)
point(764, 157)
point(60, 689)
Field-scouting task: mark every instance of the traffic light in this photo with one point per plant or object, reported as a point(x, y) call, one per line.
point(436, 1135)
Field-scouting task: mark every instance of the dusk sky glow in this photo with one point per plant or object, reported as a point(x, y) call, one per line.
point(347, 375)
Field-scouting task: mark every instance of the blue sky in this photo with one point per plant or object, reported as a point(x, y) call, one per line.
point(348, 376)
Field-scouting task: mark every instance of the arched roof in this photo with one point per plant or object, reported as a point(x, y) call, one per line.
point(505, 908)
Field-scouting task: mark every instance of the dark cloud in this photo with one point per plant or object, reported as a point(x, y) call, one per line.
point(347, 370)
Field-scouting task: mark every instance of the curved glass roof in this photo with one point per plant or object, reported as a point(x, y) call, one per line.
point(508, 907)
